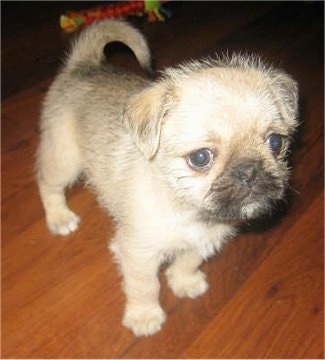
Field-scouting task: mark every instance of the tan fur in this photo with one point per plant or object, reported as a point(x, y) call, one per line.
point(134, 141)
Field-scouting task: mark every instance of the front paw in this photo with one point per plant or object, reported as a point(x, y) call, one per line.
point(190, 285)
point(144, 320)
point(62, 221)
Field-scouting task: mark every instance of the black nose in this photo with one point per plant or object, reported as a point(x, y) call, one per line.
point(246, 171)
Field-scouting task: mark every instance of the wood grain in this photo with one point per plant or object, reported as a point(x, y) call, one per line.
point(61, 296)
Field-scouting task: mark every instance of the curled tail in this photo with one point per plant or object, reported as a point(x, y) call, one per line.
point(89, 46)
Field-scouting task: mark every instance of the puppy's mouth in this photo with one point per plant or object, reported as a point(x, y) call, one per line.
point(246, 191)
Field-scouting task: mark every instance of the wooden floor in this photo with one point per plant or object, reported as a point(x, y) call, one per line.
point(61, 296)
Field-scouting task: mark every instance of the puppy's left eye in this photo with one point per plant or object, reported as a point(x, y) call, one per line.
point(201, 159)
point(276, 143)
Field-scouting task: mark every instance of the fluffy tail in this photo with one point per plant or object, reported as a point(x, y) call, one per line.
point(89, 46)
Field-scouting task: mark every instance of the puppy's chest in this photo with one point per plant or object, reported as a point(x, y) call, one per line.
point(183, 233)
point(169, 227)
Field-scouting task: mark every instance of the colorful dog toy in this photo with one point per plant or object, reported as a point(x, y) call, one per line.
point(71, 21)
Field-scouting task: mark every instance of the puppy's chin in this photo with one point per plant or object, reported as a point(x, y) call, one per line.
point(235, 197)
point(237, 213)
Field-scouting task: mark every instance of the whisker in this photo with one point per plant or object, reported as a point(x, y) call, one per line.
point(294, 190)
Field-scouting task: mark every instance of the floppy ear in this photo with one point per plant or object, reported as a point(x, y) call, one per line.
point(286, 94)
point(144, 115)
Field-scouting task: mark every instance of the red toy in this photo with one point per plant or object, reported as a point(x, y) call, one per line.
point(72, 20)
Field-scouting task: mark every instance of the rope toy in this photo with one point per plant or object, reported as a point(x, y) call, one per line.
point(154, 9)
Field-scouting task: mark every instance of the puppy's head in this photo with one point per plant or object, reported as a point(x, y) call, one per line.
point(218, 132)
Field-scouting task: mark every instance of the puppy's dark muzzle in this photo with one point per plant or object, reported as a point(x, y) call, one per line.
point(245, 173)
point(246, 184)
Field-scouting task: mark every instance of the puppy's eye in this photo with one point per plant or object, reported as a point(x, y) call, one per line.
point(276, 143)
point(201, 159)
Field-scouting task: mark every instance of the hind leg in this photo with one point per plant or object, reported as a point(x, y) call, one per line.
point(58, 166)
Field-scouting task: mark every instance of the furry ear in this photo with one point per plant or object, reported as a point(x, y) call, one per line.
point(286, 95)
point(144, 116)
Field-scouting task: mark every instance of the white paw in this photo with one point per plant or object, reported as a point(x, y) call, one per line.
point(144, 320)
point(62, 221)
point(183, 285)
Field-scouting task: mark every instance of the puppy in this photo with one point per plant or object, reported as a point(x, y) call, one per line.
point(178, 162)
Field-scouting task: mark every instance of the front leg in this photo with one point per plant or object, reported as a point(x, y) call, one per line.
point(143, 313)
point(183, 275)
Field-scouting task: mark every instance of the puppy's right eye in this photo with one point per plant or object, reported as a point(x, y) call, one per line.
point(201, 159)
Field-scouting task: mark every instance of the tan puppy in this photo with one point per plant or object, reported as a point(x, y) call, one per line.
point(178, 162)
